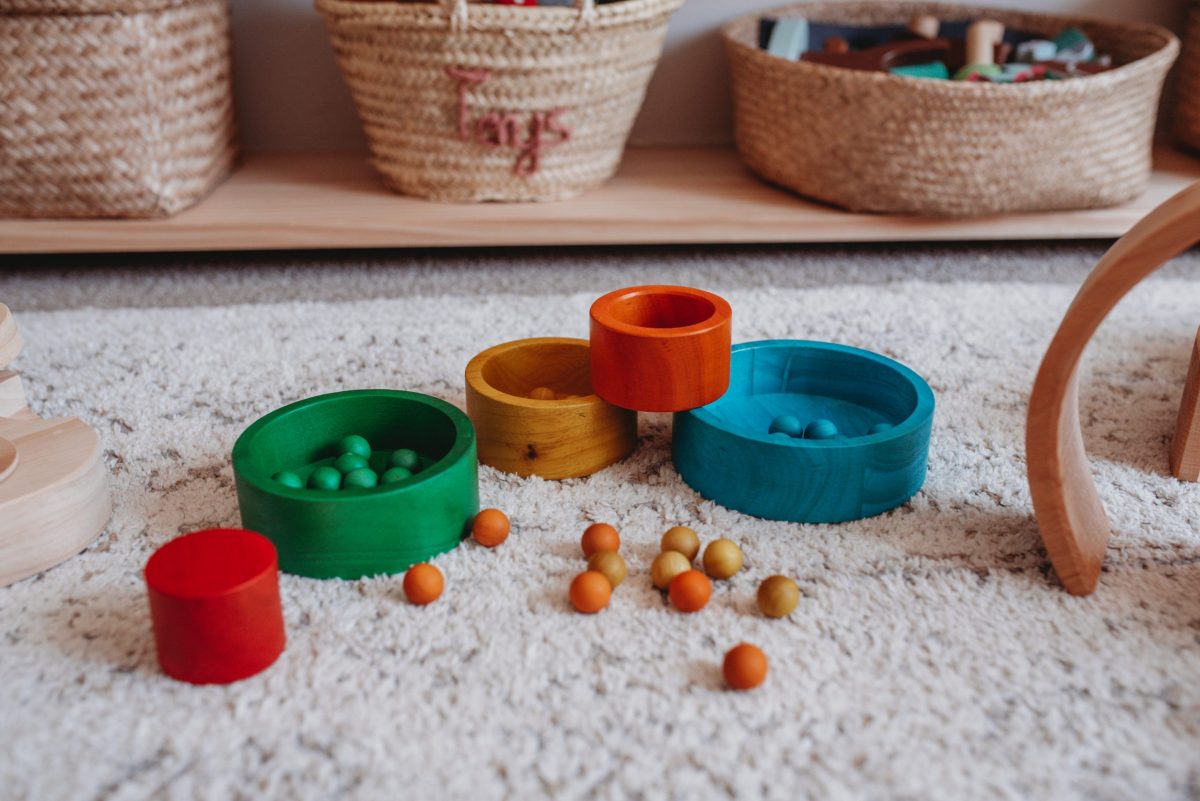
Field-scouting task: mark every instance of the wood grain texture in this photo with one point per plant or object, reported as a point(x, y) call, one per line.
point(10, 338)
point(727, 453)
point(660, 348)
point(1185, 446)
point(559, 438)
point(53, 485)
point(1074, 526)
point(280, 201)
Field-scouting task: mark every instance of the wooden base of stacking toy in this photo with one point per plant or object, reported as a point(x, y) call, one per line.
point(660, 348)
point(1185, 447)
point(572, 433)
point(351, 533)
point(874, 415)
point(214, 602)
point(1072, 520)
point(53, 484)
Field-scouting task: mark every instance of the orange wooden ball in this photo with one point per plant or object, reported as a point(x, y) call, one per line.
point(745, 667)
point(690, 591)
point(490, 527)
point(600, 537)
point(423, 584)
point(590, 592)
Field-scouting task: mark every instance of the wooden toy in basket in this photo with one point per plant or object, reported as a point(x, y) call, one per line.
point(660, 348)
point(809, 432)
point(535, 412)
point(113, 108)
point(53, 484)
point(1073, 524)
point(466, 102)
point(876, 142)
point(412, 495)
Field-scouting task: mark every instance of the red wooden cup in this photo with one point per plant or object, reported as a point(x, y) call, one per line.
point(660, 348)
point(214, 600)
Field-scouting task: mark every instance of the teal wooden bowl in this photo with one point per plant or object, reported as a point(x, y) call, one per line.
point(727, 452)
point(351, 533)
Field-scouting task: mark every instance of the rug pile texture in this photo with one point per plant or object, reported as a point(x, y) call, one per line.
point(934, 655)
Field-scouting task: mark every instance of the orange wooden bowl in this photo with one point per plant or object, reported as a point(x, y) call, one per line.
point(661, 348)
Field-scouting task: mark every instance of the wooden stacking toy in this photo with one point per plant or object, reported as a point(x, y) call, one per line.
point(1073, 524)
point(53, 484)
point(1185, 446)
point(863, 451)
point(660, 348)
point(358, 530)
point(214, 603)
point(535, 413)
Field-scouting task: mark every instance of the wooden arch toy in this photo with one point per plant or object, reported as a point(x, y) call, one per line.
point(53, 485)
point(1072, 520)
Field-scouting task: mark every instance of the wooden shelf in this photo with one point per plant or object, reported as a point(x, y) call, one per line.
point(660, 196)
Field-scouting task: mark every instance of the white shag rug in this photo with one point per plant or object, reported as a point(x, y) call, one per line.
point(934, 655)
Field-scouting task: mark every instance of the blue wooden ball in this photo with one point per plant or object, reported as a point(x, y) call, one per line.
point(787, 424)
point(820, 429)
point(325, 478)
point(356, 445)
point(879, 428)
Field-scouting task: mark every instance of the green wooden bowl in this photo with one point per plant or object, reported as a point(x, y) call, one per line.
point(351, 533)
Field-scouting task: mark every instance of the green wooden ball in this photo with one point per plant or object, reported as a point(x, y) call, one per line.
point(289, 479)
point(362, 478)
point(406, 458)
point(325, 478)
point(395, 475)
point(356, 445)
point(349, 462)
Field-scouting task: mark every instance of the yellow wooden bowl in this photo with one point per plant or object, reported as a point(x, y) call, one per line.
point(535, 413)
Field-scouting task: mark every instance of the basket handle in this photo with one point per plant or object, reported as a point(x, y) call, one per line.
point(457, 10)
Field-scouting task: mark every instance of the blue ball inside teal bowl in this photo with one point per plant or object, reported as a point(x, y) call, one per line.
point(725, 450)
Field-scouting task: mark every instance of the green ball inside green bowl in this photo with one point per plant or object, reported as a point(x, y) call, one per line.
point(368, 531)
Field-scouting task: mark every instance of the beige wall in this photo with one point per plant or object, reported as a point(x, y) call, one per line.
point(290, 96)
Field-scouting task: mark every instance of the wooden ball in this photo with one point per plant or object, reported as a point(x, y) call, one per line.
point(355, 444)
point(610, 564)
point(683, 540)
point(423, 584)
point(690, 591)
point(745, 667)
point(590, 592)
point(490, 527)
point(778, 596)
point(723, 558)
point(600, 537)
point(666, 566)
point(543, 393)
point(820, 429)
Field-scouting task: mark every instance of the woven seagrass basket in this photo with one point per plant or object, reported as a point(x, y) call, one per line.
point(113, 108)
point(1187, 107)
point(870, 141)
point(496, 102)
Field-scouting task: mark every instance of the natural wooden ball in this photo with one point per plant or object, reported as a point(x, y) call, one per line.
point(600, 537)
point(745, 667)
point(666, 566)
point(683, 540)
point(723, 558)
point(543, 393)
point(778, 596)
point(610, 564)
